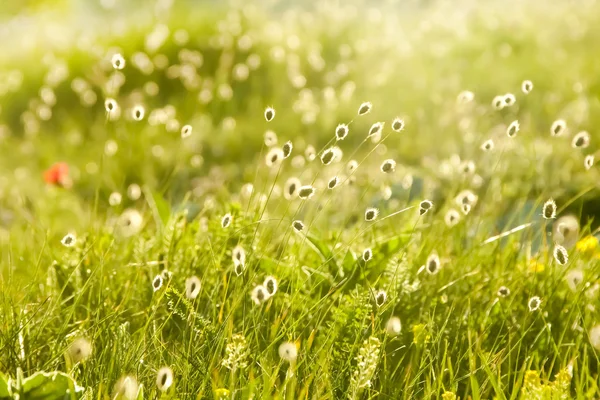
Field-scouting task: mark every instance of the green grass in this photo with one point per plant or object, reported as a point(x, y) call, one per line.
point(458, 336)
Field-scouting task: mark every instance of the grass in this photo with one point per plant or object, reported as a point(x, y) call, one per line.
point(104, 312)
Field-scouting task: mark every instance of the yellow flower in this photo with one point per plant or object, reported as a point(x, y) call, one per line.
point(222, 394)
point(420, 335)
point(587, 245)
point(448, 396)
point(535, 266)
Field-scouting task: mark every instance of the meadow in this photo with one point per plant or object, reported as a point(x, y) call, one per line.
point(299, 200)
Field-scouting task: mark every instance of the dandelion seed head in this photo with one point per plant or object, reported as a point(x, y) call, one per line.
point(364, 108)
point(534, 303)
point(558, 127)
point(371, 214)
point(549, 209)
point(288, 352)
point(393, 327)
point(192, 287)
point(388, 166)
point(270, 138)
point(164, 379)
point(269, 114)
point(341, 132)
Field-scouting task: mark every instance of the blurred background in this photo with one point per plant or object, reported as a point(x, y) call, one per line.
point(216, 65)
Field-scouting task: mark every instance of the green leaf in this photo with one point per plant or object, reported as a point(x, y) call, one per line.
point(50, 386)
point(324, 252)
point(159, 206)
point(140, 394)
point(349, 261)
point(5, 392)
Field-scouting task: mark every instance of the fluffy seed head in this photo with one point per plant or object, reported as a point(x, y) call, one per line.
point(274, 157)
point(269, 114)
point(69, 240)
point(117, 60)
point(534, 303)
point(110, 105)
point(464, 97)
point(186, 131)
point(126, 388)
point(287, 149)
point(79, 350)
point(164, 379)
point(581, 140)
point(270, 138)
point(388, 166)
point(527, 86)
point(192, 287)
point(367, 255)
point(397, 124)
point(509, 99)
point(425, 206)
point(157, 282)
point(333, 182)
point(452, 217)
point(574, 278)
point(298, 225)
point(595, 337)
point(503, 291)
point(513, 129)
point(238, 255)
point(560, 254)
point(328, 156)
point(558, 127)
point(371, 214)
point(259, 295)
point(352, 166)
point(226, 220)
point(393, 327)
point(365, 108)
point(588, 162)
point(380, 298)
point(432, 265)
point(288, 352)
point(488, 145)
point(138, 112)
point(310, 153)
point(498, 102)
point(341, 131)
point(270, 284)
point(306, 192)
point(549, 209)
point(291, 187)
point(375, 129)
point(466, 209)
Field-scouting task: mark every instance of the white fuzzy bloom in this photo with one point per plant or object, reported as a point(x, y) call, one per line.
point(69, 240)
point(164, 379)
point(393, 327)
point(192, 287)
point(288, 352)
point(534, 303)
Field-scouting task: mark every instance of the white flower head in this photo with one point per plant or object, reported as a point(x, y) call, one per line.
point(393, 327)
point(558, 127)
point(192, 287)
point(534, 303)
point(371, 214)
point(164, 379)
point(288, 352)
point(259, 295)
point(69, 240)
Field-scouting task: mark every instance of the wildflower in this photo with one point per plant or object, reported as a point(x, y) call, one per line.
point(352, 166)
point(192, 287)
point(298, 225)
point(560, 254)
point(549, 209)
point(566, 231)
point(69, 240)
point(236, 353)
point(595, 337)
point(513, 129)
point(328, 156)
point(574, 279)
point(581, 140)
point(79, 350)
point(526, 87)
point(291, 187)
point(466, 96)
point(274, 157)
point(587, 244)
point(367, 255)
point(535, 266)
point(397, 124)
point(388, 166)
point(287, 149)
point(137, 113)
point(226, 220)
point(110, 105)
point(558, 127)
point(380, 298)
point(375, 129)
point(448, 396)
point(58, 174)
point(306, 192)
point(488, 145)
point(432, 265)
point(364, 108)
point(288, 352)
point(393, 326)
point(425, 206)
point(588, 162)
point(186, 131)
point(115, 199)
point(126, 388)
point(270, 138)
point(259, 294)
point(164, 379)
point(534, 303)
point(222, 394)
point(466, 209)
point(270, 283)
point(452, 217)
point(310, 153)
point(366, 364)
point(509, 99)
point(157, 282)
point(503, 291)
point(341, 131)
point(118, 62)
point(333, 182)
point(269, 114)
point(371, 214)
point(498, 102)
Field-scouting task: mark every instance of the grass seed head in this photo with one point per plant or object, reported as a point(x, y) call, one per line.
point(549, 209)
point(341, 132)
point(157, 282)
point(388, 166)
point(306, 192)
point(464, 97)
point(367, 255)
point(270, 138)
point(186, 131)
point(79, 350)
point(432, 265)
point(118, 62)
point(364, 108)
point(371, 214)
point(375, 129)
point(126, 388)
point(380, 298)
point(310, 153)
point(110, 105)
point(69, 240)
point(269, 114)
point(534, 303)
point(425, 206)
point(558, 127)
point(452, 217)
point(291, 188)
point(298, 225)
point(288, 352)
point(560, 254)
point(588, 162)
point(513, 129)
point(509, 99)
point(164, 379)
point(226, 220)
point(274, 157)
point(138, 112)
point(595, 337)
point(270, 284)
point(192, 287)
point(498, 102)
point(488, 145)
point(398, 124)
point(287, 149)
point(393, 327)
point(259, 295)
point(503, 291)
point(328, 156)
point(333, 182)
point(581, 140)
point(527, 86)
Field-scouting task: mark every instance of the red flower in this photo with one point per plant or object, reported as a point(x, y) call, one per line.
point(58, 174)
